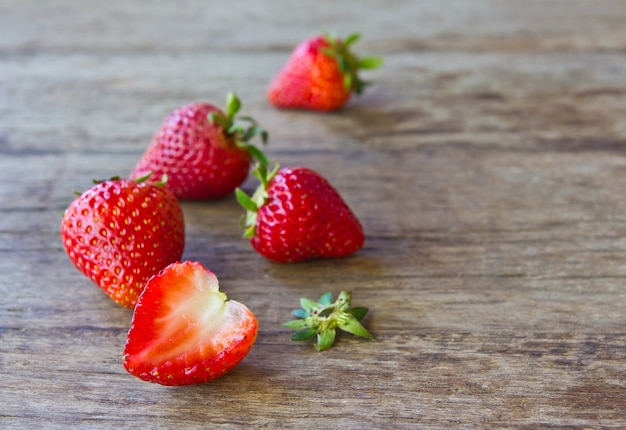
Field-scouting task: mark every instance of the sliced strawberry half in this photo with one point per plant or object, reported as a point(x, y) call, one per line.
point(184, 330)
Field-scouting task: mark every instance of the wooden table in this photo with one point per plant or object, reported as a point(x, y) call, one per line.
point(487, 164)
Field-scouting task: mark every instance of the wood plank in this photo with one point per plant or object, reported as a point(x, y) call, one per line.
point(487, 164)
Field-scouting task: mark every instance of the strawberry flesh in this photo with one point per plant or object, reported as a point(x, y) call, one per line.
point(185, 331)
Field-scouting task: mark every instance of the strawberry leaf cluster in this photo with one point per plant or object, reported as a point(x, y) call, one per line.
point(322, 319)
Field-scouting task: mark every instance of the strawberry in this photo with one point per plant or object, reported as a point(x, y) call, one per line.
point(204, 152)
point(184, 330)
point(120, 232)
point(321, 74)
point(322, 319)
point(295, 215)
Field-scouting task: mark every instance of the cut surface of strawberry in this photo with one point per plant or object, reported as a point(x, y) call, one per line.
point(184, 329)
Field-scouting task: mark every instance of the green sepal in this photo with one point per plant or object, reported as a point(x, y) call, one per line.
point(370, 63)
point(305, 334)
point(308, 305)
point(358, 312)
point(296, 324)
point(257, 154)
point(347, 80)
point(245, 200)
point(254, 129)
point(240, 134)
point(349, 63)
point(352, 38)
point(254, 203)
point(343, 63)
point(247, 221)
point(325, 339)
point(300, 313)
point(351, 325)
point(233, 104)
point(331, 37)
point(141, 179)
point(219, 119)
point(264, 175)
point(326, 299)
point(248, 232)
point(162, 181)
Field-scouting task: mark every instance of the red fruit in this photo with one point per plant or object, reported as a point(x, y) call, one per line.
point(184, 330)
point(320, 74)
point(120, 232)
point(296, 215)
point(201, 149)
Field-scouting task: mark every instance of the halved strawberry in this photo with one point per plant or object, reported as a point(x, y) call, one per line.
point(184, 330)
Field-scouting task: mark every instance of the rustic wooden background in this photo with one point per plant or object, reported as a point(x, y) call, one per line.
point(487, 165)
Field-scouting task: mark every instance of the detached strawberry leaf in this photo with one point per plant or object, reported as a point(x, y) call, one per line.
point(358, 312)
point(325, 339)
point(324, 317)
point(300, 313)
point(308, 305)
point(352, 325)
point(326, 299)
point(305, 334)
point(296, 324)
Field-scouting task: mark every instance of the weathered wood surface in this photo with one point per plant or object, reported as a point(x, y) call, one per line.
point(487, 164)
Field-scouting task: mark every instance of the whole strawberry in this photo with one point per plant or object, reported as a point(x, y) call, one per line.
point(120, 232)
point(184, 330)
point(296, 215)
point(321, 74)
point(204, 152)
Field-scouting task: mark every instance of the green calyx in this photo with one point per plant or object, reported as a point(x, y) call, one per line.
point(242, 134)
point(252, 203)
point(323, 318)
point(348, 62)
point(139, 180)
point(145, 177)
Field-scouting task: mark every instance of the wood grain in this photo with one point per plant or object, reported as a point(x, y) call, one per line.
point(487, 164)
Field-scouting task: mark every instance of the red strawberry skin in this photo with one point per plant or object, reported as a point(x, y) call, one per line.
point(121, 232)
point(310, 79)
point(184, 330)
point(305, 218)
point(201, 161)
